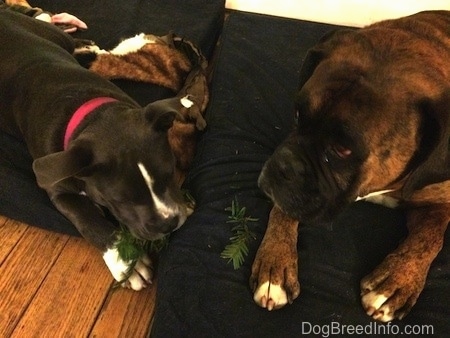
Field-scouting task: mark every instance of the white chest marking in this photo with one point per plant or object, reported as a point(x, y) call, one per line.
point(163, 209)
point(378, 198)
point(375, 193)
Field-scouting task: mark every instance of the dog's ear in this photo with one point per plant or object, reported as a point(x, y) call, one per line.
point(162, 113)
point(54, 168)
point(164, 121)
point(433, 157)
point(317, 53)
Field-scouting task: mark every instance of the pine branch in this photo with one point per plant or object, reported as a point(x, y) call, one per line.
point(130, 248)
point(237, 250)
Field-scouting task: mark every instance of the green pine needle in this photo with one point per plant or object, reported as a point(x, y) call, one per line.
point(237, 250)
point(131, 248)
point(158, 244)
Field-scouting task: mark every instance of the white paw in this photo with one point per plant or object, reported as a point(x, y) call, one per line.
point(139, 278)
point(373, 303)
point(85, 49)
point(270, 296)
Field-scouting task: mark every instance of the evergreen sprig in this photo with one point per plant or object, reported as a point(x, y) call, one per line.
point(130, 248)
point(237, 250)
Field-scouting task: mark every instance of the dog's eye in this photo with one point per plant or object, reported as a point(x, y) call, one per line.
point(341, 151)
point(336, 152)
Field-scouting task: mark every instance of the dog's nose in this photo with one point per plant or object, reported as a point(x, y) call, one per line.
point(169, 224)
point(156, 228)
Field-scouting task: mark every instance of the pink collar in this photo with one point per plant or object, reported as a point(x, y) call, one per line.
point(81, 113)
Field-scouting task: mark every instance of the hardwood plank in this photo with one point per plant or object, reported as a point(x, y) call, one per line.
point(23, 271)
point(10, 233)
point(52, 284)
point(70, 298)
point(126, 313)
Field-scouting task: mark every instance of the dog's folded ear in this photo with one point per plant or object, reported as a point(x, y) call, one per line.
point(433, 157)
point(316, 54)
point(54, 168)
point(162, 113)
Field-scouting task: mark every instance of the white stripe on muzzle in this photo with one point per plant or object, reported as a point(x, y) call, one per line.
point(163, 209)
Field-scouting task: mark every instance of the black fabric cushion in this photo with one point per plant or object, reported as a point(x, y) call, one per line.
point(251, 111)
point(199, 21)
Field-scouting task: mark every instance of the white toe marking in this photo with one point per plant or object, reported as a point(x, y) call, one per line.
point(146, 260)
point(270, 296)
point(119, 269)
point(136, 282)
point(385, 314)
point(374, 300)
point(142, 268)
point(164, 210)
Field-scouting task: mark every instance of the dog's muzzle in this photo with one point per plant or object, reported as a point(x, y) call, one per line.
point(299, 185)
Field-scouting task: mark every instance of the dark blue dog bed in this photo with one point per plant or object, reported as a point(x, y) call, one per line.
point(250, 112)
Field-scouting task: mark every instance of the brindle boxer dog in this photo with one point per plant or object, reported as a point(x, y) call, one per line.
point(373, 117)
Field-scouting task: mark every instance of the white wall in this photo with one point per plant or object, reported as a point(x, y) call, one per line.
point(343, 12)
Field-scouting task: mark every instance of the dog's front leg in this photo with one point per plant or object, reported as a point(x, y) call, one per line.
point(274, 278)
point(392, 289)
point(97, 230)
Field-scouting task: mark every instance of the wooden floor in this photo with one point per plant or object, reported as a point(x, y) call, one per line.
point(54, 285)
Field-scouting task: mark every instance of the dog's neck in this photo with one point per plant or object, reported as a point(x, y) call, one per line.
point(79, 115)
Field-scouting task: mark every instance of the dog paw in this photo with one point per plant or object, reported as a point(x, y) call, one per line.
point(200, 122)
point(195, 96)
point(270, 296)
point(134, 277)
point(392, 289)
point(192, 110)
point(275, 280)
